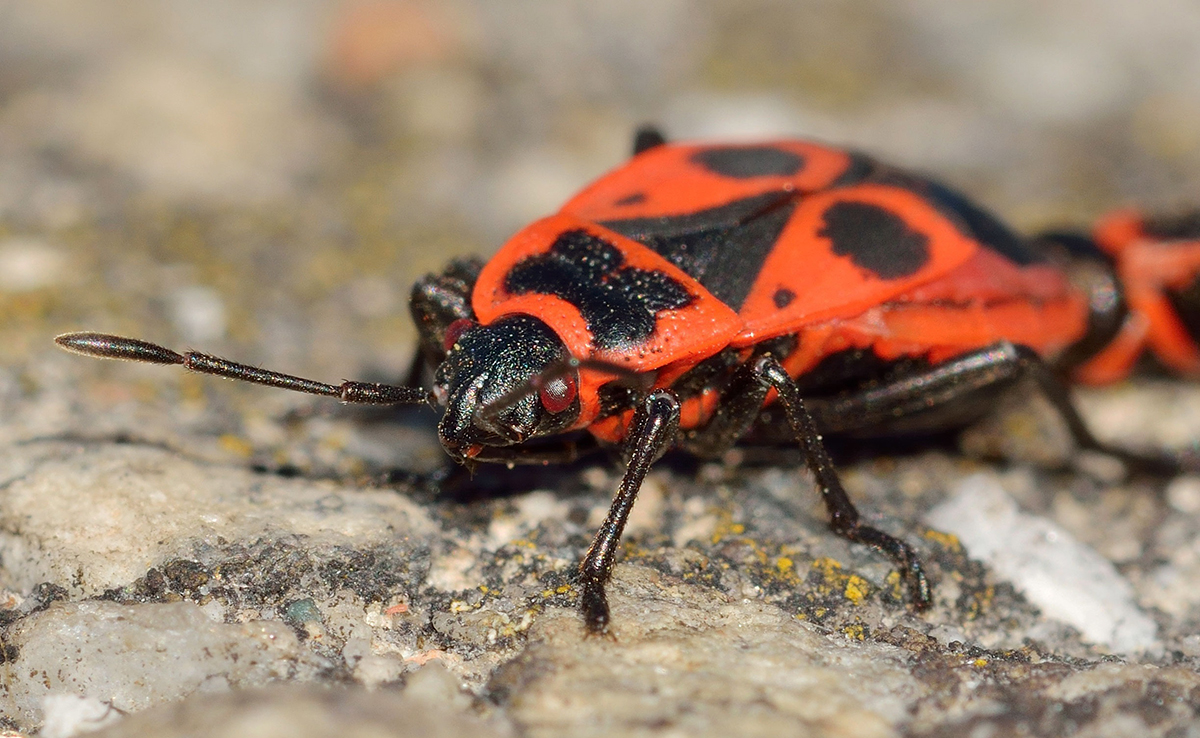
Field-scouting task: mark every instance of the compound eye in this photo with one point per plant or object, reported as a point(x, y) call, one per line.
point(455, 331)
point(558, 394)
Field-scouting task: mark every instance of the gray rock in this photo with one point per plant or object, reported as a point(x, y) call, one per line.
point(132, 657)
point(146, 506)
point(431, 705)
point(703, 666)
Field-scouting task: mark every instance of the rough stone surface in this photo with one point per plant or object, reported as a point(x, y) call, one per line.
point(145, 506)
point(704, 666)
point(187, 556)
point(136, 656)
point(430, 705)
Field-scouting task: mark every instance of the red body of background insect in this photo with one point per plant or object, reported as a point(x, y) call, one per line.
point(1157, 261)
point(703, 294)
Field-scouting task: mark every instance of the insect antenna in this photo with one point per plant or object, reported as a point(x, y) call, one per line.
point(102, 346)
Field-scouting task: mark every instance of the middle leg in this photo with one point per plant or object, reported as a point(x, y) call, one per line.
point(741, 405)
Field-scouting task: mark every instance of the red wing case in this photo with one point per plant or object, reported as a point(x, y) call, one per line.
point(690, 179)
point(846, 250)
point(607, 296)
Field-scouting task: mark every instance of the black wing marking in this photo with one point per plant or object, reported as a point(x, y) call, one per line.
point(722, 248)
point(618, 302)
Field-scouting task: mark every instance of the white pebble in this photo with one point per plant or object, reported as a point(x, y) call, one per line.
point(1068, 580)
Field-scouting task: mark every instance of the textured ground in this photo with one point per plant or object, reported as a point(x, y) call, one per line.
point(182, 556)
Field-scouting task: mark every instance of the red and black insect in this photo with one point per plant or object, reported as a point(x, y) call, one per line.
point(684, 298)
point(1157, 261)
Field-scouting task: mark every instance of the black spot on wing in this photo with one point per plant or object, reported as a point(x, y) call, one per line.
point(722, 248)
point(875, 239)
point(632, 198)
point(971, 220)
point(729, 215)
point(618, 303)
point(746, 162)
point(783, 297)
point(980, 224)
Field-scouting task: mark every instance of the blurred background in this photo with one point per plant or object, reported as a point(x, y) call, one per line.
point(266, 178)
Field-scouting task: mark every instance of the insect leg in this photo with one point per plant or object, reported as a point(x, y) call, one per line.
point(103, 346)
point(437, 300)
point(741, 403)
point(938, 397)
point(1158, 463)
point(843, 517)
point(655, 425)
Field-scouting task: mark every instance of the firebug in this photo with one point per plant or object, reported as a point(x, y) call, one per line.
point(705, 293)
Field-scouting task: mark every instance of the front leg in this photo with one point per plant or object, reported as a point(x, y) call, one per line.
point(438, 300)
point(655, 425)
